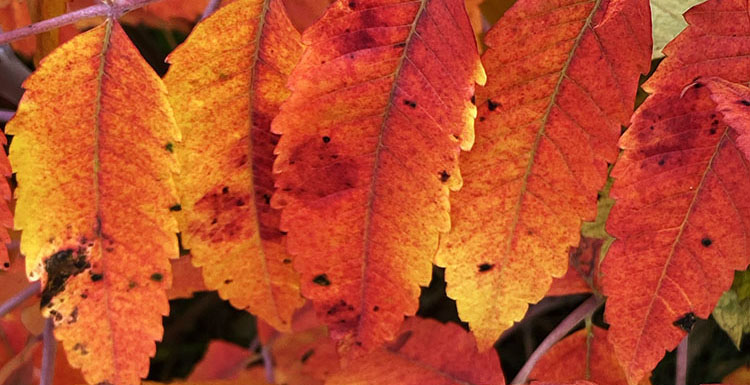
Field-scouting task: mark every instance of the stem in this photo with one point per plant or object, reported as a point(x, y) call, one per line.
point(265, 352)
point(680, 377)
point(586, 308)
point(18, 299)
point(5, 115)
point(212, 6)
point(72, 17)
point(14, 73)
point(49, 349)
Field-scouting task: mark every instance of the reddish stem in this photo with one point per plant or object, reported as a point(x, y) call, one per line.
point(49, 350)
point(18, 299)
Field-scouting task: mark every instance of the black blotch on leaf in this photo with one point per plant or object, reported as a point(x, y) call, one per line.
point(706, 241)
point(225, 190)
point(712, 130)
point(307, 355)
point(267, 199)
point(473, 99)
point(481, 118)
point(6, 265)
point(444, 176)
point(745, 103)
point(410, 103)
point(321, 280)
point(352, 5)
point(685, 322)
point(132, 284)
point(59, 267)
point(97, 277)
point(157, 277)
point(485, 267)
point(661, 162)
point(176, 207)
point(286, 261)
point(326, 139)
point(698, 85)
point(228, 281)
point(169, 147)
point(492, 106)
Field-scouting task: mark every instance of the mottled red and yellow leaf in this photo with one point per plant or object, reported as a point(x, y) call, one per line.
point(582, 355)
point(380, 109)
point(562, 78)
point(425, 352)
point(226, 83)
point(94, 191)
point(681, 219)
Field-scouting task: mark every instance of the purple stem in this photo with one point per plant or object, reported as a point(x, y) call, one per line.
point(18, 299)
point(581, 312)
point(72, 17)
point(5, 115)
point(680, 377)
point(212, 6)
point(265, 352)
point(49, 349)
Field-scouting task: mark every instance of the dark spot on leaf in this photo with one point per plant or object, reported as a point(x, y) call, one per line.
point(73, 316)
point(485, 267)
point(326, 139)
point(307, 355)
point(745, 103)
point(6, 265)
point(685, 322)
point(83, 295)
point(352, 5)
point(267, 199)
point(81, 348)
point(698, 85)
point(176, 207)
point(97, 277)
point(239, 202)
point(157, 277)
point(481, 118)
point(59, 267)
point(228, 281)
point(287, 261)
point(444, 176)
point(132, 284)
point(321, 280)
point(706, 242)
point(225, 190)
point(169, 147)
point(651, 128)
point(661, 162)
point(359, 343)
point(712, 131)
point(473, 99)
point(376, 308)
point(492, 106)
point(410, 103)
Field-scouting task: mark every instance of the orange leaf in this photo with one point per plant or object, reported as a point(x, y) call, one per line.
point(681, 216)
point(425, 352)
point(379, 112)
point(305, 357)
point(222, 360)
point(567, 361)
point(225, 91)
point(740, 376)
point(94, 194)
point(186, 279)
point(582, 269)
point(253, 376)
point(562, 78)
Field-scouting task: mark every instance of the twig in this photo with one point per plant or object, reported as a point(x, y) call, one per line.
point(265, 352)
point(49, 349)
point(586, 308)
point(680, 377)
point(14, 73)
point(212, 6)
point(18, 299)
point(10, 366)
point(72, 17)
point(5, 115)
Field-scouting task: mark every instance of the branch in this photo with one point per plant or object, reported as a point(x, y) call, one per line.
point(49, 350)
point(5, 115)
point(18, 299)
point(581, 312)
point(680, 377)
point(14, 73)
point(212, 6)
point(69, 18)
point(265, 352)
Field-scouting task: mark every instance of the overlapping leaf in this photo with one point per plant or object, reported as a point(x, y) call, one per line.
point(732, 312)
point(425, 352)
point(681, 216)
point(94, 191)
point(667, 20)
point(380, 109)
point(562, 78)
point(226, 83)
point(733, 101)
point(582, 355)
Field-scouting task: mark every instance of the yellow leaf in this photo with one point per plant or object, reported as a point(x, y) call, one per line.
point(94, 191)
